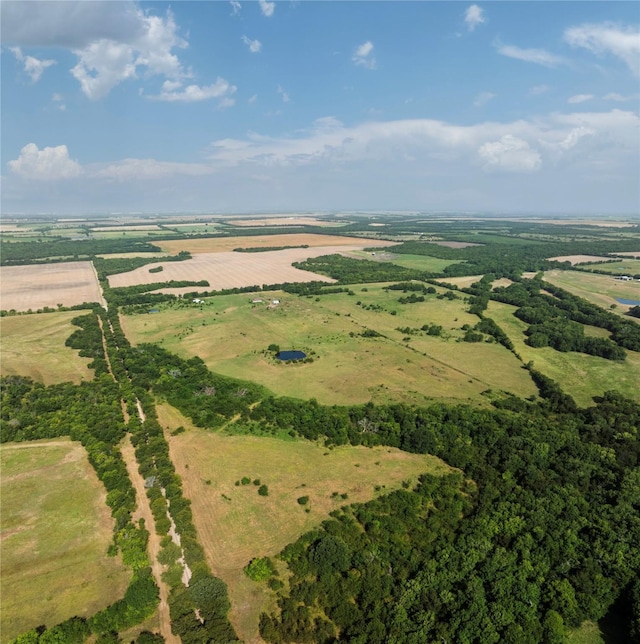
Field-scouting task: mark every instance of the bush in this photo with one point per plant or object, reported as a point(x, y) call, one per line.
point(303, 500)
point(260, 569)
point(263, 490)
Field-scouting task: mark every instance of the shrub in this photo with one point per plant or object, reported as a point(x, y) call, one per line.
point(303, 500)
point(263, 490)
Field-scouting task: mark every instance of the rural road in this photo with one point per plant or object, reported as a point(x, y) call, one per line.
point(144, 511)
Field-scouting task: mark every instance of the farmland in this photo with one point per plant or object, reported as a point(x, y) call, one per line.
point(231, 334)
point(34, 346)
point(55, 533)
point(236, 524)
point(33, 287)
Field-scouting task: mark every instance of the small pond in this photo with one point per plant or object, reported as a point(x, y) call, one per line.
point(291, 355)
point(629, 302)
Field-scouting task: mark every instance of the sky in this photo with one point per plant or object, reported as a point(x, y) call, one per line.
point(304, 106)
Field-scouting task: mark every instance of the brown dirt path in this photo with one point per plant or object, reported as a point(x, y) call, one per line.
point(144, 511)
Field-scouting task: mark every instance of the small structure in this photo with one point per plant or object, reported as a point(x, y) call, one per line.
point(197, 301)
point(276, 302)
point(256, 301)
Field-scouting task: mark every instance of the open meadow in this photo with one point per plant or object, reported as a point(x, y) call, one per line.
point(34, 346)
point(56, 529)
point(580, 375)
point(231, 334)
point(35, 286)
point(599, 289)
point(236, 524)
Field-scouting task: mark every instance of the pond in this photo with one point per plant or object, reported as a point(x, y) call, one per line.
point(291, 355)
point(629, 302)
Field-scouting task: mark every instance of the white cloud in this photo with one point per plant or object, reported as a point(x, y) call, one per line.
point(235, 7)
point(537, 56)
point(172, 91)
point(574, 137)
point(47, 164)
point(363, 55)
point(254, 45)
point(620, 41)
point(32, 66)
point(473, 17)
point(483, 98)
point(510, 154)
point(619, 98)
point(252, 99)
point(267, 8)
point(580, 98)
point(58, 99)
point(285, 96)
point(537, 90)
point(136, 169)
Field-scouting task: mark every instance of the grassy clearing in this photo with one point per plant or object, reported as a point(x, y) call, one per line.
point(236, 524)
point(56, 530)
point(580, 375)
point(599, 289)
point(231, 334)
point(624, 267)
point(588, 633)
point(416, 262)
point(33, 345)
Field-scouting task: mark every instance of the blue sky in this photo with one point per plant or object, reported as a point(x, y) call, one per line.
point(311, 106)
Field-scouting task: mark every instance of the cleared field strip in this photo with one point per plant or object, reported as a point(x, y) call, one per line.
point(236, 524)
point(34, 346)
point(285, 221)
point(35, 286)
point(580, 259)
point(56, 529)
point(233, 270)
point(223, 244)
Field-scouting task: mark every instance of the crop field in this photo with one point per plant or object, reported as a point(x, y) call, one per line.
point(225, 244)
point(580, 375)
point(35, 286)
point(599, 289)
point(56, 530)
point(285, 221)
point(231, 270)
point(34, 346)
point(415, 262)
point(580, 259)
point(623, 267)
point(231, 335)
point(236, 524)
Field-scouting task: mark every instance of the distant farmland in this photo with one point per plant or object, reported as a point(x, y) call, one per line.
point(234, 270)
point(38, 285)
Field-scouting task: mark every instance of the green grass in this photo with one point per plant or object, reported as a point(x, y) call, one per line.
point(416, 262)
point(33, 345)
point(599, 289)
point(231, 335)
point(587, 633)
point(56, 530)
point(580, 375)
point(235, 524)
point(623, 267)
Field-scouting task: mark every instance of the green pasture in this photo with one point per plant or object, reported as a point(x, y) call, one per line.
point(34, 346)
point(580, 375)
point(622, 267)
point(231, 335)
point(599, 289)
point(56, 530)
point(236, 524)
point(415, 262)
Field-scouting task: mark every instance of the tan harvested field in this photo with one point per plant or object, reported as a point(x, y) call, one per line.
point(461, 282)
point(129, 255)
point(34, 346)
point(56, 528)
point(225, 244)
point(633, 254)
point(580, 259)
point(284, 221)
point(38, 285)
point(233, 270)
point(236, 524)
point(503, 281)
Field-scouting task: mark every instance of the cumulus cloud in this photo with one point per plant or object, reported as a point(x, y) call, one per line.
point(113, 41)
point(172, 91)
point(254, 45)
point(509, 154)
point(47, 164)
point(267, 8)
point(235, 7)
point(33, 67)
point(473, 16)
point(483, 98)
point(580, 98)
point(608, 38)
point(363, 55)
point(537, 56)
